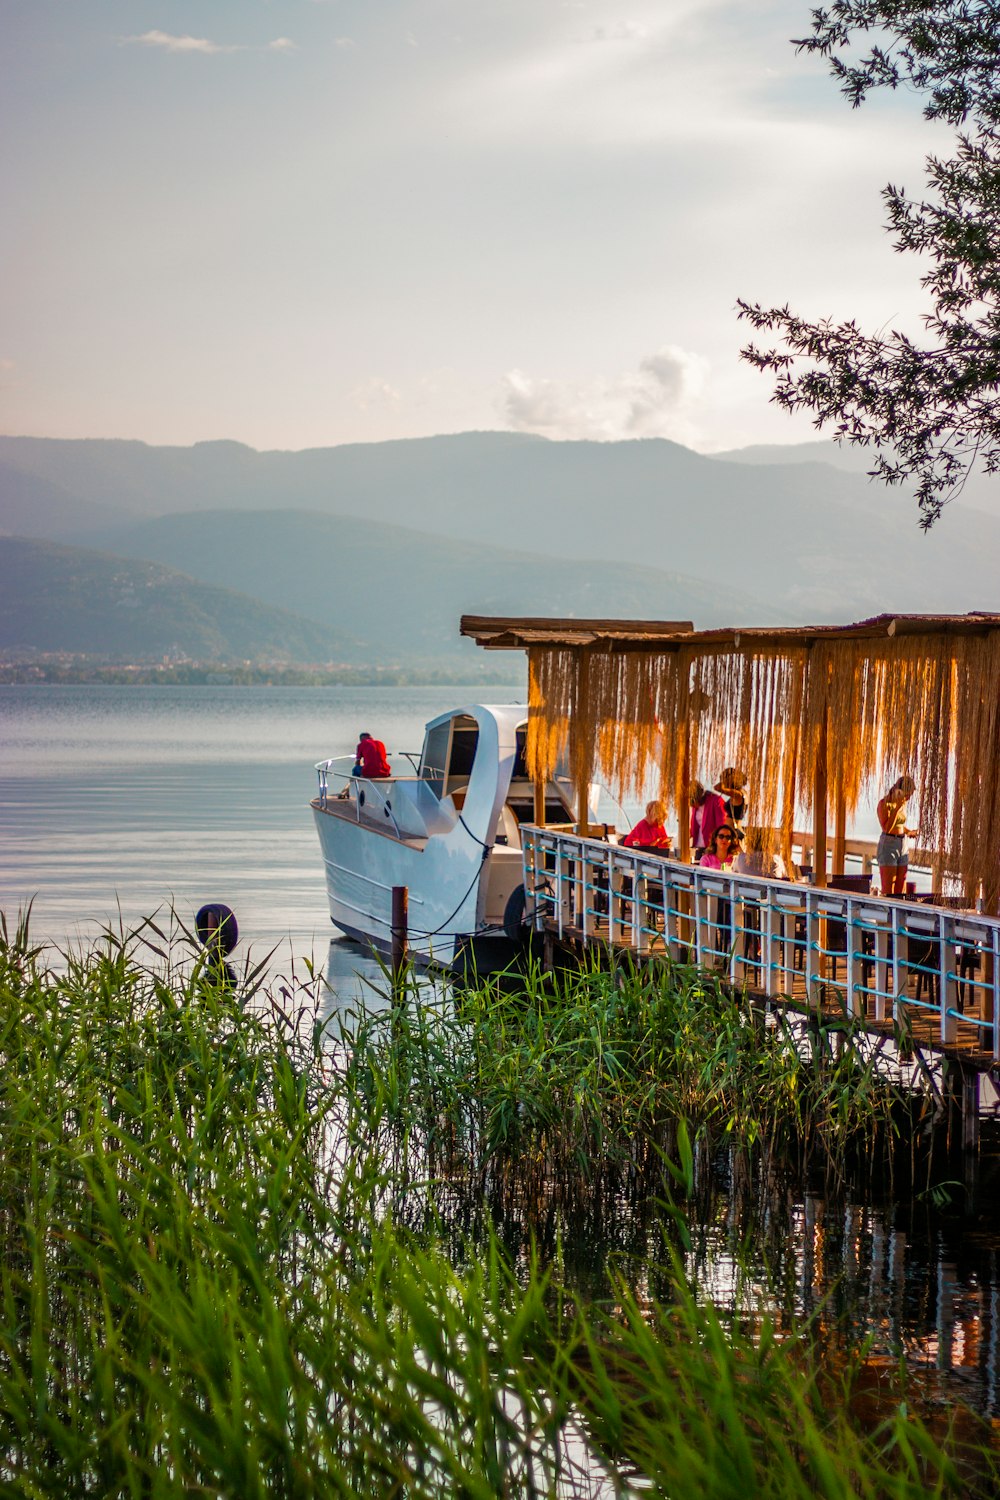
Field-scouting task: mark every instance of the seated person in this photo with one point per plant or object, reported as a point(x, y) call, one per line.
point(754, 860)
point(722, 850)
point(649, 832)
point(370, 759)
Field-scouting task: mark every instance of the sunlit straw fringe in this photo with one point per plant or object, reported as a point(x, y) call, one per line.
point(924, 705)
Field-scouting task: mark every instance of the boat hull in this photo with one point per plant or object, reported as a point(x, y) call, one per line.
point(445, 833)
point(445, 877)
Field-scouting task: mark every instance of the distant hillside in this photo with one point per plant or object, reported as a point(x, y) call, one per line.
point(55, 598)
point(31, 505)
point(811, 540)
point(981, 490)
point(851, 459)
point(401, 591)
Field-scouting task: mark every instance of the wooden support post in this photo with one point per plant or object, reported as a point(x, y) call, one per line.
point(839, 822)
point(400, 939)
point(970, 1136)
point(961, 1092)
point(820, 792)
point(683, 810)
point(579, 762)
point(819, 806)
point(539, 810)
point(970, 1110)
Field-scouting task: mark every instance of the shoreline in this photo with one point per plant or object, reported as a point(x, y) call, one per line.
point(195, 675)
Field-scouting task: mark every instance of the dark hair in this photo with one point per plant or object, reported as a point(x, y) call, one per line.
point(364, 735)
point(722, 828)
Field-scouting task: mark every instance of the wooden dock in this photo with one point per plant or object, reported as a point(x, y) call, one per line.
point(926, 974)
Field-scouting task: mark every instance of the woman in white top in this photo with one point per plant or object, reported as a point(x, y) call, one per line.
point(754, 861)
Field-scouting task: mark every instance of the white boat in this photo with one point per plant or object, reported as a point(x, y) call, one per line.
point(449, 831)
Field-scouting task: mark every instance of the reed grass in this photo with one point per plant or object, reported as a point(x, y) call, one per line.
point(206, 1286)
point(565, 1077)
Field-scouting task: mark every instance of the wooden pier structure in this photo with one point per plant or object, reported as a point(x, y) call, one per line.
point(816, 718)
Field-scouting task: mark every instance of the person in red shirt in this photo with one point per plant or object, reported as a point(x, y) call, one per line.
point(649, 832)
point(370, 758)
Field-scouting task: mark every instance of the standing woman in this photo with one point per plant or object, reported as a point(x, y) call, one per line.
point(731, 786)
point(708, 812)
point(892, 856)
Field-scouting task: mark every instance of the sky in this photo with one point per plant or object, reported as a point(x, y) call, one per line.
point(297, 223)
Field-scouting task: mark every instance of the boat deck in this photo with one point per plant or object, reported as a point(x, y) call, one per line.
point(347, 810)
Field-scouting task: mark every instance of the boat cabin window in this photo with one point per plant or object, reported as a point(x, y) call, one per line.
point(448, 753)
point(434, 757)
point(558, 793)
point(520, 771)
point(556, 812)
point(464, 740)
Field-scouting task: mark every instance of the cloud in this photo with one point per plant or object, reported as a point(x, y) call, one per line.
point(650, 401)
point(173, 43)
point(620, 31)
point(202, 44)
point(375, 394)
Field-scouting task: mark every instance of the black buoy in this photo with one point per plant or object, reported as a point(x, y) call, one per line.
point(216, 927)
point(218, 933)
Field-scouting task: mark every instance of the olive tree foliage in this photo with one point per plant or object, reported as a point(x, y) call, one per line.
point(930, 408)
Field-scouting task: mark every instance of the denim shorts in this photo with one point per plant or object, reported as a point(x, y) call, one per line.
point(892, 850)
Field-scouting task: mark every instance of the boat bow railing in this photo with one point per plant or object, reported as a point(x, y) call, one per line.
point(358, 791)
point(777, 937)
point(338, 768)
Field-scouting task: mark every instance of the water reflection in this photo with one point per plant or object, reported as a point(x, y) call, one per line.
point(917, 1285)
point(354, 975)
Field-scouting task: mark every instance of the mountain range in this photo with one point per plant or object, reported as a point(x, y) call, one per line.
point(380, 547)
point(72, 599)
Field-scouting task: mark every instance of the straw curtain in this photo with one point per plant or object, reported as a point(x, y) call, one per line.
point(925, 705)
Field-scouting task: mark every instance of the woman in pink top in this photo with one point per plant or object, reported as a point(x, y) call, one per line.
point(722, 849)
point(649, 832)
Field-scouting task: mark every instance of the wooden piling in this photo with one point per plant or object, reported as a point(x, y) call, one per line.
point(400, 939)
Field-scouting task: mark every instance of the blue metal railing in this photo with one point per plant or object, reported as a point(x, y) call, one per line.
point(774, 935)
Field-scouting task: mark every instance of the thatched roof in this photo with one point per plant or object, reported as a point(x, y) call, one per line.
point(518, 632)
point(812, 715)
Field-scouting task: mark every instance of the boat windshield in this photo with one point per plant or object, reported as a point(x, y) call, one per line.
point(448, 753)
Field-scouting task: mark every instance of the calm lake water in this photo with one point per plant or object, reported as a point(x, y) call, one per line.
point(127, 800)
point(134, 799)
